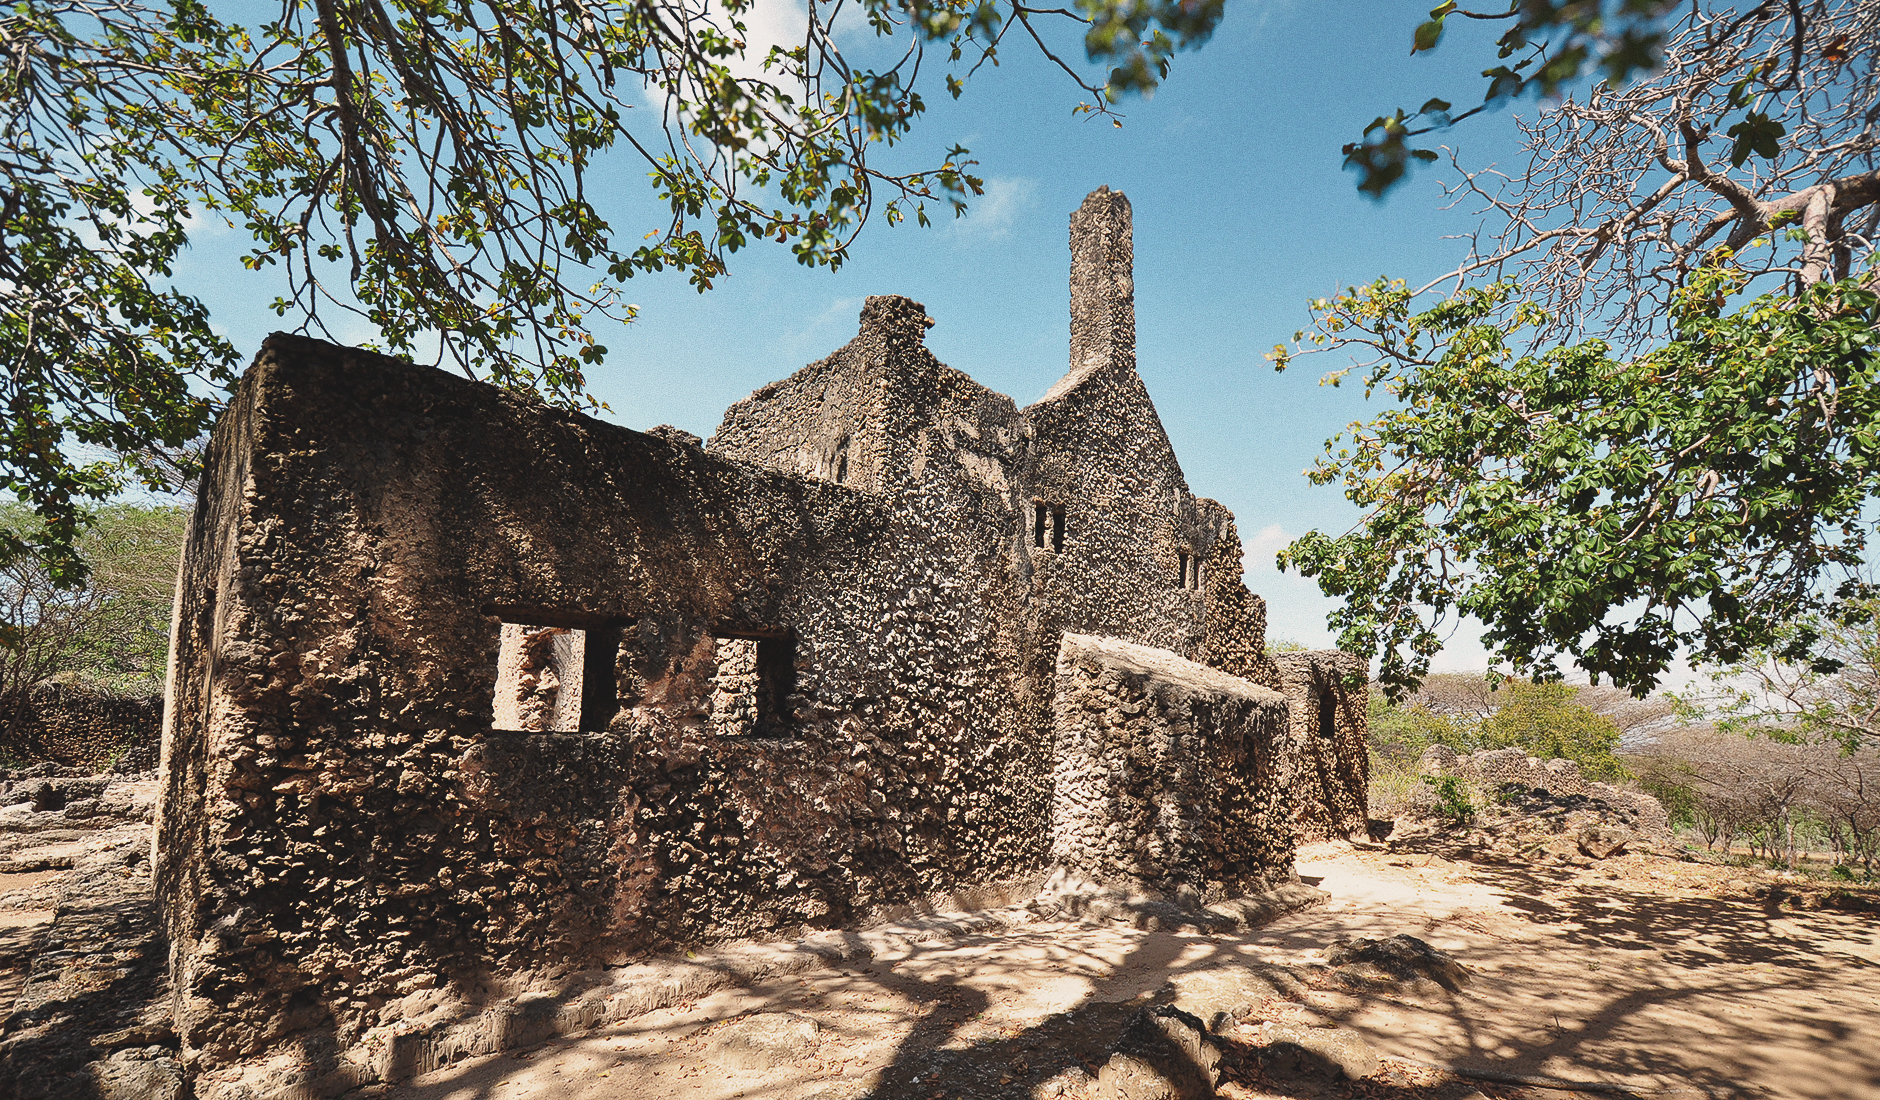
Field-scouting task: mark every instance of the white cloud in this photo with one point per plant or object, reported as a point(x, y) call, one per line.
point(1258, 552)
point(991, 216)
point(144, 207)
point(1264, 15)
point(767, 23)
point(817, 335)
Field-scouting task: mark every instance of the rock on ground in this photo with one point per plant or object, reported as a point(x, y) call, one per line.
point(1163, 1054)
point(1289, 1049)
point(763, 1040)
point(1227, 993)
point(1362, 962)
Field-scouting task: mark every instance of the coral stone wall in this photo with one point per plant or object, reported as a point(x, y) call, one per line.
point(1165, 772)
point(1329, 766)
point(1494, 767)
point(85, 728)
point(343, 822)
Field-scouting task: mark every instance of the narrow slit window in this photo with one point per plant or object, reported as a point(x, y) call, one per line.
point(1194, 572)
point(600, 676)
point(1182, 566)
point(1328, 716)
point(1040, 520)
point(555, 677)
point(1057, 527)
point(752, 686)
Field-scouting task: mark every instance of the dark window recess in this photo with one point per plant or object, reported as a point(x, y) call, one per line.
point(555, 676)
point(1047, 523)
point(751, 692)
point(600, 677)
point(1328, 715)
point(1183, 567)
point(776, 682)
point(1194, 573)
point(842, 461)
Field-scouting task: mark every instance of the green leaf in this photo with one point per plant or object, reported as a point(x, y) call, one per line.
point(1427, 35)
point(1758, 134)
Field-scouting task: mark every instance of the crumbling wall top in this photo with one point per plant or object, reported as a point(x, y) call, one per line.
point(1168, 667)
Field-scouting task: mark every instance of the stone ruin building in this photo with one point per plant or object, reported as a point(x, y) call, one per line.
point(464, 686)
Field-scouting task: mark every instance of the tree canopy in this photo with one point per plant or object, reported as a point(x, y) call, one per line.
point(1638, 420)
point(113, 631)
point(1469, 713)
point(432, 168)
point(1551, 44)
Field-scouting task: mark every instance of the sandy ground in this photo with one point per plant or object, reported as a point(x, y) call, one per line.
point(1640, 972)
point(1661, 977)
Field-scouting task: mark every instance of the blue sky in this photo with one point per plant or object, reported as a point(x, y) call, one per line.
point(1242, 214)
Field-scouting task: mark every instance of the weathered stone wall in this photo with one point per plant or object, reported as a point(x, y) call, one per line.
point(1235, 637)
point(1329, 766)
point(1165, 772)
point(1495, 767)
point(341, 817)
point(816, 662)
point(85, 728)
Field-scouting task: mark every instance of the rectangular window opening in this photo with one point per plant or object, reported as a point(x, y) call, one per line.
point(756, 676)
point(555, 676)
point(1040, 516)
point(1057, 527)
point(1183, 567)
point(1328, 718)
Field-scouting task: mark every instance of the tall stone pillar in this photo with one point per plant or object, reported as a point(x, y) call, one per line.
point(1103, 288)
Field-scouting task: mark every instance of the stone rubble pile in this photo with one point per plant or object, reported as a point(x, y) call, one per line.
point(1528, 810)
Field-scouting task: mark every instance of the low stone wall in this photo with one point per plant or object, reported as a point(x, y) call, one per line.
point(1165, 772)
point(1495, 767)
point(1328, 763)
point(85, 728)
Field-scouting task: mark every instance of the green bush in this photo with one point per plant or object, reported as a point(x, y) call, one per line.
point(1544, 721)
point(1401, 733)
point(112, 631)
point(1452, 798)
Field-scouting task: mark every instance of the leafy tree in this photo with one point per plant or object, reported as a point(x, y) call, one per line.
point(1692, 479)
point(1613, 510)
point(1765, 695)
point(1545, 721)
point(112, 631)
point(431, 167)
point(1399, 733)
